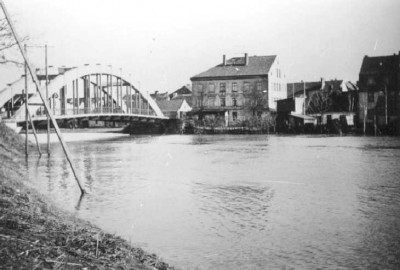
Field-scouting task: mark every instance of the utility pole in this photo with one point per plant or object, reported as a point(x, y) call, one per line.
point(26, 105)
point(27, 113)
point(47, 98)
point(386, 104)
point(304, 102)
point(45, 102)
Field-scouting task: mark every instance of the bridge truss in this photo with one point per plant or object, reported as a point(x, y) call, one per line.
point(88, 92)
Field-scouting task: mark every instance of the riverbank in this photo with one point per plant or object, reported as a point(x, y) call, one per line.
point(36, 235)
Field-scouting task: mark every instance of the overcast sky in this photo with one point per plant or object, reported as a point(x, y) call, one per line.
point(163, 43)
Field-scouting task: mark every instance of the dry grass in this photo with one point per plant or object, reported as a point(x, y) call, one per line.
point(36, 235)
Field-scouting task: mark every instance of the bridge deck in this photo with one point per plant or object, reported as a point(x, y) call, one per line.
point(98, 116)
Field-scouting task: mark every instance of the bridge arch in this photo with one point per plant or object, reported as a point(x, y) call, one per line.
point(88, 89)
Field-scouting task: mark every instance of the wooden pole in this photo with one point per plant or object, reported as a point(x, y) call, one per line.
point(101, 95)
point(112, 94)
point(386, 106)
point(304, 102)
point(73, 97)
point(34, 133)
point(130, 98)
point(47, 98)
point(26, 106)
point(46, 105)
point(77, 96)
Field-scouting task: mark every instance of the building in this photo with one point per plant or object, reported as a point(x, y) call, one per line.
point(182, 93)
point(332, 104)
point(379, 83)
point(238, 89)
point(174, 109)
point(159, 96)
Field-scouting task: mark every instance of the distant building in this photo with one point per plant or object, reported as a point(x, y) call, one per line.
point(182, 93)
point(239, 88)
point(318, 103)
point(174, 109)
point(159, 96)
point(379, 83)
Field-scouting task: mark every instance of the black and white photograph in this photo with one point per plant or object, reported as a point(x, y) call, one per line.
point(199, 135)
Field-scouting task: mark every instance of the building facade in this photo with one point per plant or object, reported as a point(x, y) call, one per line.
point(379, 83)
point(238, 89)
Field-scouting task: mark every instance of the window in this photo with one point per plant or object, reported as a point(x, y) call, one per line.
point(200, 88)
point(234, 87)
point(246, 87)
point(222, 102)
point(234, 116)
point(234, 101)
point(211, 87)
point(259, 86)
point(222, 88)
point(371, 97)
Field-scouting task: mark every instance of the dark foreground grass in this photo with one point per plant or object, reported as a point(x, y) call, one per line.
point(36, 235)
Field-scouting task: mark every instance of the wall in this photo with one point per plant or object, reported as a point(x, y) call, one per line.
point(277, 84)
point(204, 98)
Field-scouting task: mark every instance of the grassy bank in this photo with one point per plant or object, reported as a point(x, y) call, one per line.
point(36, 235)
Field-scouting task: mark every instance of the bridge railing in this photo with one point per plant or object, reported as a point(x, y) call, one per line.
point(40, 112)
point(86, 110)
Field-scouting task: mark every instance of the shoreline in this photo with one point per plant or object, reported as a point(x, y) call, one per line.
point(35, 234)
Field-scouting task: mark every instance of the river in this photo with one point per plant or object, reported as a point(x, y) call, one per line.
point(238, 202)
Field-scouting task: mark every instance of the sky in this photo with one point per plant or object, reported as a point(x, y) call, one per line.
point(164, 43)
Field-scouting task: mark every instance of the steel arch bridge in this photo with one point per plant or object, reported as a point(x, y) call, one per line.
point(90, 92)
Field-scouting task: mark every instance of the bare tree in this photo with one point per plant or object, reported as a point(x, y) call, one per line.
point(7, 42)
point(256, 100)
point(318, 102)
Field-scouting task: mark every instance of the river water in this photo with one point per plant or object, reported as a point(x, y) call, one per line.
point(239, 202)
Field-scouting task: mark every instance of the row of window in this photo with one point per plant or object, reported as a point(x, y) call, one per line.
point(278, 73)
point(222, 102)
point(277, 87)
point(222, 87)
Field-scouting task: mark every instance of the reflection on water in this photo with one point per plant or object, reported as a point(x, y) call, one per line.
point(239, 202)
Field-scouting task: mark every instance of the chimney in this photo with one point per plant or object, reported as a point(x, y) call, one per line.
point(224, 60)
point(246, 59)
point(322, 83)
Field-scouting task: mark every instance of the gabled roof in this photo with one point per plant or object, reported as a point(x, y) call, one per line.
point(258, 65)
point(299, 87)
point(188, 99)
point(184, 90)
point(170, 105)
point(157, 96)
point(379, 64)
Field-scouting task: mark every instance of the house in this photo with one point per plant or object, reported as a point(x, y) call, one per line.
point(182, 93)
point(238, 89)
point(291, 117)
point(379, 83)
point(174, 109)
point(323, 103)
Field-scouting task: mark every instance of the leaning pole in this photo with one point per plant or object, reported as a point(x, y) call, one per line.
point(46, 105)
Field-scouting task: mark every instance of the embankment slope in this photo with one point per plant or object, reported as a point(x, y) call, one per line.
point(36, 235)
